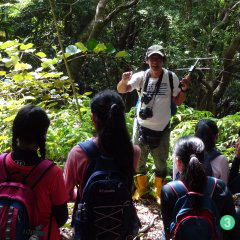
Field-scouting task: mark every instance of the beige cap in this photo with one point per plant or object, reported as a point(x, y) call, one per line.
point(155, 49)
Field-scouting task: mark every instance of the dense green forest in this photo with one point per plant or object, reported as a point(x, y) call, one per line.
point(58, 54)
point(98, 40)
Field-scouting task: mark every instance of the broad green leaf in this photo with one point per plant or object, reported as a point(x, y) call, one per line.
point(11, 50)
point(100, 47)
point(15, 59)
point(121, 54)
point(72, 49)
point(66, 55)
point(8, 64)
point(46, 62)
point(83, 109)
point(81, 46)
point(18, 77)
point(52, 104)
point(9, 119)
point(87, 93)
point(28, 77)
point(91, 44)
point(53, 75)
point(30, 50)
point(2, 73)
point(55, 60)
point(41, 54)
point(2, 138)
point(8, 44)
point(110, 48)
point(22, 66)
point(25, 46)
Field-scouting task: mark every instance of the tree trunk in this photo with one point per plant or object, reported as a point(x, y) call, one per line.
point(227, 67)
point(101, 19)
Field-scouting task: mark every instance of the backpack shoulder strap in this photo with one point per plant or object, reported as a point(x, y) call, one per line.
point(170, 77)
point(97, 161)
point(211, 184)
point(178, 187)
point(90, 148)
point(210, 156)
point(38, 172)
point(3, 169)
point(92, 151)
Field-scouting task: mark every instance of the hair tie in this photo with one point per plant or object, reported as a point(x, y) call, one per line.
point(193, 156)
point(113, 106)
point(112, 110)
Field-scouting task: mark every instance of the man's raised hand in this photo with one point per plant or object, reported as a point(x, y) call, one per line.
point(126, 76)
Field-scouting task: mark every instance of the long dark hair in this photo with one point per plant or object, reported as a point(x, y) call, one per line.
point(30, 126)
point(207, 131)
point(190, 150)
point(113, 138)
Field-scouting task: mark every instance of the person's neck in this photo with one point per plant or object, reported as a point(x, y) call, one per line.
point(156, 74)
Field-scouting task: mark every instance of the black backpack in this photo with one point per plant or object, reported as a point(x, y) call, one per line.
point(105, 210)
point(173, 104)
point(208, 158)
point(195, 221)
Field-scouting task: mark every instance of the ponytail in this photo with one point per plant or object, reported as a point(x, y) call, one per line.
point(190, 150)
point(113, 138)
point(195, 176)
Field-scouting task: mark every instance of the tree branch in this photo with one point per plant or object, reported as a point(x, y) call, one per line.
point(99, 21)
point(226, 16)
point(118, 9)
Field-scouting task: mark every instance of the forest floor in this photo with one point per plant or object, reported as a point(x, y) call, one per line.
point(148, 213)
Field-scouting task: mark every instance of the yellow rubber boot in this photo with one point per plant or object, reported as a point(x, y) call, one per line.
point(159, 182)
point(140, 183)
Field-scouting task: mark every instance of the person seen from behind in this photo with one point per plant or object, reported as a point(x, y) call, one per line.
point(215, 163)
point(112, 140)
point(29, 132)
point(188, 154)
point(157, 88)
point(234, 175)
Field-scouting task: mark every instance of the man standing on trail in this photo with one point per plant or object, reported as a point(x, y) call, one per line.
point(159, 90)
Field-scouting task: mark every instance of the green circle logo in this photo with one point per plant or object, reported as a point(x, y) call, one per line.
point(227, 222)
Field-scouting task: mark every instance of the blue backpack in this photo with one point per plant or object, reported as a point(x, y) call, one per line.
point(195, 215)
point(105, 210)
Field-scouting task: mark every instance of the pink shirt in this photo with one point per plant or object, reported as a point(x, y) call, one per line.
point(76, 167)
point(49, 191)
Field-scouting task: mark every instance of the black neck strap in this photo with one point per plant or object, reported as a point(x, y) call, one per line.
point(157, 86)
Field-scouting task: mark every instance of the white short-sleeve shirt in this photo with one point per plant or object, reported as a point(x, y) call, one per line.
point(161, 103)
